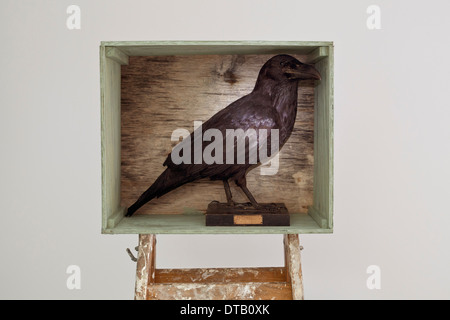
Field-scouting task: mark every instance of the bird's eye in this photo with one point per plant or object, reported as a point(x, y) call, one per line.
point(282, 63)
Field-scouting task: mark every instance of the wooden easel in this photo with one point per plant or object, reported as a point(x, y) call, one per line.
point(282, 283)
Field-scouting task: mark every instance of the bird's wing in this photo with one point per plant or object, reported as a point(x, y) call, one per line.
point(249, 112)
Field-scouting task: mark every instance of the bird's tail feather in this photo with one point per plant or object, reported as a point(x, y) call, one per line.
point(166, 182)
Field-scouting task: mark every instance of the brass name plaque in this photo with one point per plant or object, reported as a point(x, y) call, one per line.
point(248, 219)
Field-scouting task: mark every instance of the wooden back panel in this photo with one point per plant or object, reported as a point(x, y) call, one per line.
point(160, 94)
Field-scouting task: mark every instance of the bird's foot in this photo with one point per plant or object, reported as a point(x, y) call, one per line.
point(257, 206)
point(249, 206)
point(264, 207)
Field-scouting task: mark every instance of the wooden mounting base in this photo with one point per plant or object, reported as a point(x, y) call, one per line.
point(281, 283)
point(244, 214)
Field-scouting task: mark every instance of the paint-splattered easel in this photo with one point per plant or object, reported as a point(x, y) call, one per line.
point(284, 283)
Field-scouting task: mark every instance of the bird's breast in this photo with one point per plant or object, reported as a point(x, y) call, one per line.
point(286, 106)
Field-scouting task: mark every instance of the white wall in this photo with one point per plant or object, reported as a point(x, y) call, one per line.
point(392, 149)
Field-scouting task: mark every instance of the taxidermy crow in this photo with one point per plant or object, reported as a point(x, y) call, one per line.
point(271, 105)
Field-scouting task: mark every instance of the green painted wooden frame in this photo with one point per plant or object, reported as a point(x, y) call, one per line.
point(114, 54)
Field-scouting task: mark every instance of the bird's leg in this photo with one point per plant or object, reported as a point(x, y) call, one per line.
point(250, 197)
point(242, 183)
point(228, 193)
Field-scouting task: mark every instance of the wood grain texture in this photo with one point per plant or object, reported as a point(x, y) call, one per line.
point(110, 130)
point(195, 224)
point(164, 93)
point(145, 266)
point(158, 48)
point(293, 265)
point(322, 211)
point(221, 275)
point(268, 283)
point(117, 55)
point(221, 291)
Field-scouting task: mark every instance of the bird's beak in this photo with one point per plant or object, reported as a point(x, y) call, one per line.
point(304, 72)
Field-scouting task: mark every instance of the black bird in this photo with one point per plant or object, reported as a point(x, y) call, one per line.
point(271, 105)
